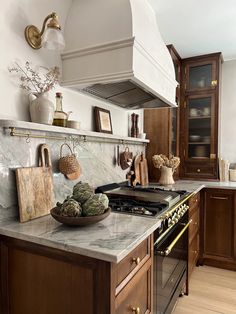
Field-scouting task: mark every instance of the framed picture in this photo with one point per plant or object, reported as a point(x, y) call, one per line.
point(102, 120)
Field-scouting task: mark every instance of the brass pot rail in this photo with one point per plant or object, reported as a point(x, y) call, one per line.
point(168, 250)
point(83, 138)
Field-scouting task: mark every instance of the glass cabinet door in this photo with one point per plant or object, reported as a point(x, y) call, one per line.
point(201, 76)
point(200, 121)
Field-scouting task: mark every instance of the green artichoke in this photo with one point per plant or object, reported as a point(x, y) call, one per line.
point(70, 208)
point(95, 205)
point(82, 192)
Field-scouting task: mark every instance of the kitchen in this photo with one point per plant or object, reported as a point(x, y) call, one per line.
point(97, 164)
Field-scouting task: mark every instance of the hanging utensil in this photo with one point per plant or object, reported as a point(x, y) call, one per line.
point(126, 159)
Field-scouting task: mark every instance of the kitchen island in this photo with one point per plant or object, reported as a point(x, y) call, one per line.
point(105, 268)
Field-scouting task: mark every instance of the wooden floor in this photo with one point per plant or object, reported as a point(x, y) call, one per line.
point(212, 290)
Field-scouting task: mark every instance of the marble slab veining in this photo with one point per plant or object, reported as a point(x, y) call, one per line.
point(109, 240)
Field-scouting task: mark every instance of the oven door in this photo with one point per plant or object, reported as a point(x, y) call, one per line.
point(170, 265)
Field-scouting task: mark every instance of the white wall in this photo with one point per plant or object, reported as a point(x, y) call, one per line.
point(14, 16)
point(228, 112)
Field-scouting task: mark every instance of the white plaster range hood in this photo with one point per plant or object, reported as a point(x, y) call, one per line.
point(114, 51)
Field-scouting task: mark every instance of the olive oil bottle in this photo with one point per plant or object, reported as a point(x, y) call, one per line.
point(60, 117)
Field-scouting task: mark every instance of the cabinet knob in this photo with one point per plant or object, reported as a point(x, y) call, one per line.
point(214, 83)
point(135, 310)
point(136, 260)
point(198, 170)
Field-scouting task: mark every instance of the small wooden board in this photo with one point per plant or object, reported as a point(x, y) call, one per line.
point(137, 178)
point(35, 188)
point(143, 170)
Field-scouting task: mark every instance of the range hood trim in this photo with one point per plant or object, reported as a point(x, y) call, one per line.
point(118, 54)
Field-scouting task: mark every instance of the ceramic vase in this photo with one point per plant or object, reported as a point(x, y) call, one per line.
point(166, 176)
point(41, 109)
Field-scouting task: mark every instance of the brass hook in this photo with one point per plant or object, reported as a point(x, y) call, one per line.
point(28, 139)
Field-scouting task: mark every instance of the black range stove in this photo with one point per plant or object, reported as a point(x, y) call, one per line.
point(149, 201)
point(136, 207)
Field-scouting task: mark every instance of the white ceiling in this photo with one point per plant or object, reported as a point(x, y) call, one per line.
point(197, 27)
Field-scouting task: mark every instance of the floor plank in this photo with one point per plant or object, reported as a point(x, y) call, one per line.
point(212, 291)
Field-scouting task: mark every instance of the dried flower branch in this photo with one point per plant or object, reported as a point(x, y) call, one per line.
point(161, 160)
point(33, 81)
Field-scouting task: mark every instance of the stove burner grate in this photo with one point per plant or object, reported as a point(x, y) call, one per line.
point(135, 207)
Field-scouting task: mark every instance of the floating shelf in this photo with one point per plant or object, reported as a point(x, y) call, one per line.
point(31, 128)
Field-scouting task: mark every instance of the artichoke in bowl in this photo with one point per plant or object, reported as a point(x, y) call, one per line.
point(82, 192)
point(95, 205)
point(69, 208)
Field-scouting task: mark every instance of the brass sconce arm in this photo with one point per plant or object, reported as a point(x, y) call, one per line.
point(54, 23)
point(33, 35)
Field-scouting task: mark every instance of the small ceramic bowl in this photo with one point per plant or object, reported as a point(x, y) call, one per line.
point(73, 124)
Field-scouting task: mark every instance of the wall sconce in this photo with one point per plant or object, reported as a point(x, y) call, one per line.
point(49, 37)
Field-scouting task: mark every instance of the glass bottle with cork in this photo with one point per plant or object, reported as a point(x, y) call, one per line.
point(60, 117)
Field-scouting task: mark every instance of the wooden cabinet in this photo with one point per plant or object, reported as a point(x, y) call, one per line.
point(218, 225)
point(38, 279)
point(199, 116)
point(162, 125)
point(193, 233)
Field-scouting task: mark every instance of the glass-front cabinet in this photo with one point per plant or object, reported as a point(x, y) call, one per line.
point(199, 117)
point(201, 75)
point(200, 126)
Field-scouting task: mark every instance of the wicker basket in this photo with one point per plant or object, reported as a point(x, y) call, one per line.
point(68, 164)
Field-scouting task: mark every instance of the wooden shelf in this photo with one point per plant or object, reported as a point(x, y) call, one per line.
point(31, 127)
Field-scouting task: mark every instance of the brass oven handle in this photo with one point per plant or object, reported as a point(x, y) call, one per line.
point(167, 251)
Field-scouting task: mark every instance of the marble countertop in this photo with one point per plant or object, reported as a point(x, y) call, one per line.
point(196, 186)
point(109, 240)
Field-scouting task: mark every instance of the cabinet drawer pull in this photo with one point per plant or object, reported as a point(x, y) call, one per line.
point(135, 310)
point(198, 170)
point(219, 198)
point(136, 260)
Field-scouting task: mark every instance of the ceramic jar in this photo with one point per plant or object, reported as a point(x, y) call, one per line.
point(41, 109)
point(166, 176)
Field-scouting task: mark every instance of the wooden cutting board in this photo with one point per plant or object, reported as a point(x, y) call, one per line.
point(143, 170)
point(35, 187)
point(136, 169)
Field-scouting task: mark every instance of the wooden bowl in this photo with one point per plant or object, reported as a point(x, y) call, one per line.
point(79, 221)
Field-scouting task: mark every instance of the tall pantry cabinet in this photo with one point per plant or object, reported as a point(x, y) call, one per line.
point(199, 116)
point(190, 131)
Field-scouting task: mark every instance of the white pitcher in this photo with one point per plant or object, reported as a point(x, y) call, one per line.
point(166, 176)
point(41, 108)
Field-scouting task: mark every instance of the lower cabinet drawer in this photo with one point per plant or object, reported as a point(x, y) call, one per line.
point(136, 297)
point(200, 170)
point(194, 226)
point(133, 261)
point(193, 254)
point(194, 202)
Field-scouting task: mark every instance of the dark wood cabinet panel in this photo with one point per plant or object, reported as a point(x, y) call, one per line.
point(38, 279)
point(218, 228)
point(193, 232)
point(162, 126)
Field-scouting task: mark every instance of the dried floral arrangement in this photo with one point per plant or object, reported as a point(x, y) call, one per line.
point(161, 160)
point(36, 81)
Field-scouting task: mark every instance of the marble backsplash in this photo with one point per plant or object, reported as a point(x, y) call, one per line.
point(97, 160)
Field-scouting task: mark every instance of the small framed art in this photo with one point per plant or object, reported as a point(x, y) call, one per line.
point(102, 120)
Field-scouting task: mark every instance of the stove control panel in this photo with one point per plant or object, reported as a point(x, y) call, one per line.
point(172, 218)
